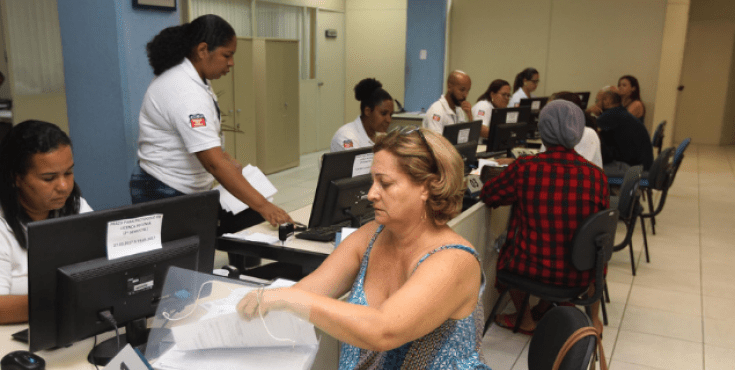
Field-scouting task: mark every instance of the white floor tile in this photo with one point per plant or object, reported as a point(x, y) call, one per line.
point(663, 323)
point(720, 333)
point(666, 300)
point(658, 352)
point(718, 358)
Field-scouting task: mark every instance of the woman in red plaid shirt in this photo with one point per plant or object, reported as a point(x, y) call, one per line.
point(551, 194)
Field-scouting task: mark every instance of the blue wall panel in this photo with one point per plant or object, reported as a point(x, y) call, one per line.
point(106, 73)
point(425, 30)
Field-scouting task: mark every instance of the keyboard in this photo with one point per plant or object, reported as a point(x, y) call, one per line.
point(323, 233)
point(518, 152)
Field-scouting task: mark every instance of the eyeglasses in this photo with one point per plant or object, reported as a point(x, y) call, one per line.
point(410, 129)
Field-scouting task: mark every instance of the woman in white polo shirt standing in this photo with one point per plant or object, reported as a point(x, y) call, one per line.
point(180, 143)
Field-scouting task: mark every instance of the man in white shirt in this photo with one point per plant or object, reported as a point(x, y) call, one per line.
point(452, 107)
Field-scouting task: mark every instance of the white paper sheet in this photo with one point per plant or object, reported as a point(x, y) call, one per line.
point(286, 358)
point(257, 179)
point(222, 327)
point(254, 237)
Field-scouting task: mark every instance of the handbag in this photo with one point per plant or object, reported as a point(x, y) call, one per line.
point(573, 339)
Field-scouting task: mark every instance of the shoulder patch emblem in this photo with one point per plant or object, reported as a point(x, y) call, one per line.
point(347, 144)
point(481, 113)
point(197, 120)
point(437, 118)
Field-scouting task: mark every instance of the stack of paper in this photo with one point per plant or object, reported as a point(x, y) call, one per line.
point(257, 179)
point(221, 339)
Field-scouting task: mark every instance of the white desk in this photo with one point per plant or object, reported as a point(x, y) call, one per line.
point(480, 225)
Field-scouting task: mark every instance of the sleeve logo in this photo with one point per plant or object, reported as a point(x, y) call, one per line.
point(437, 118)
point(197, 120)
point(347, 144)
point(481, 113)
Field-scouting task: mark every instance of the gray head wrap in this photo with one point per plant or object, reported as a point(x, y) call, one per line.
point(561, 123)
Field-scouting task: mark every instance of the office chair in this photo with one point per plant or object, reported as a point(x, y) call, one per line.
point(658, 136)
point(554, 331)
point(679, 156)
point(629, 208)
point(657, 178)
point(592, 247)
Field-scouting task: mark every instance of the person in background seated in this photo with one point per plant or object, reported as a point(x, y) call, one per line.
point(36, 183)
point(376, 109)
point(524, 85)
point(497, 95)
point(551, 193)
point(624, 139)
point(180, 143)
point(589, 146)
point(630, 94)
point(414, 284)
point(452, 107)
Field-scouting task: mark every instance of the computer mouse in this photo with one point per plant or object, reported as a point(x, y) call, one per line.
point(22, 360)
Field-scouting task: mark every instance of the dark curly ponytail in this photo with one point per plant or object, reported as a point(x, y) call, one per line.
point(173, 44)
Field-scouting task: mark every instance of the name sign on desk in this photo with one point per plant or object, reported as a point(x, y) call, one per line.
point(511, 117)
point(134, 235)
point(362, 163)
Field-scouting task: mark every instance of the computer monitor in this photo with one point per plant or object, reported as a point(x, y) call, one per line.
point(468, 152)
point(335, 178)
point(506, 137)
point(510, 115)
point(71, 280)
point(585, 98)
point(536, 104)
point(464, 132)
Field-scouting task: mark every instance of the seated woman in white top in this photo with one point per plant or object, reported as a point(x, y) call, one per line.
point(36, 183)
point(497, 95)
point(524, 85)
point(376, 109)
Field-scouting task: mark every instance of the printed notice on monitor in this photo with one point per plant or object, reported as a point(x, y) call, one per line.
point(362, 163)
point(536, 105)
point(134, 235)
point(511, 117)
point(463, 136)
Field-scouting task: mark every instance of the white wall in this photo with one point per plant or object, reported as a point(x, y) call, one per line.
point(575, 45)
point(705, 111)
point(375, 47)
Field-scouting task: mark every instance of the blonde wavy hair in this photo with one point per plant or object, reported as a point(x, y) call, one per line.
point(439, 166)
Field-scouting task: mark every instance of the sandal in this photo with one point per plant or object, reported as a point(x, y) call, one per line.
point(504, 321)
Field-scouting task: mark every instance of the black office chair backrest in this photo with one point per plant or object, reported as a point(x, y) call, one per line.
point(595, 232)
point(629, 191)
point(658, 136)
point(661, 169)
point(551, 333)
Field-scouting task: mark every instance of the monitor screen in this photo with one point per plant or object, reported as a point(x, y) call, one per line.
point(71, 280)
point(585, 98)
point(536, 104)
point(468, 152)
point(506, 137)
point(347, 200)
point(510, 115)
point(337, 166)
point(464, 132)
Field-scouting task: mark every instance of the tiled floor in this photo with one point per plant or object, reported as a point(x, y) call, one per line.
point(675, 314)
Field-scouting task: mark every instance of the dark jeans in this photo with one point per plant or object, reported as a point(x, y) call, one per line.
point(146, 188)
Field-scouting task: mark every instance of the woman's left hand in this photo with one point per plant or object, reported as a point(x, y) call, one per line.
point(254, 304)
